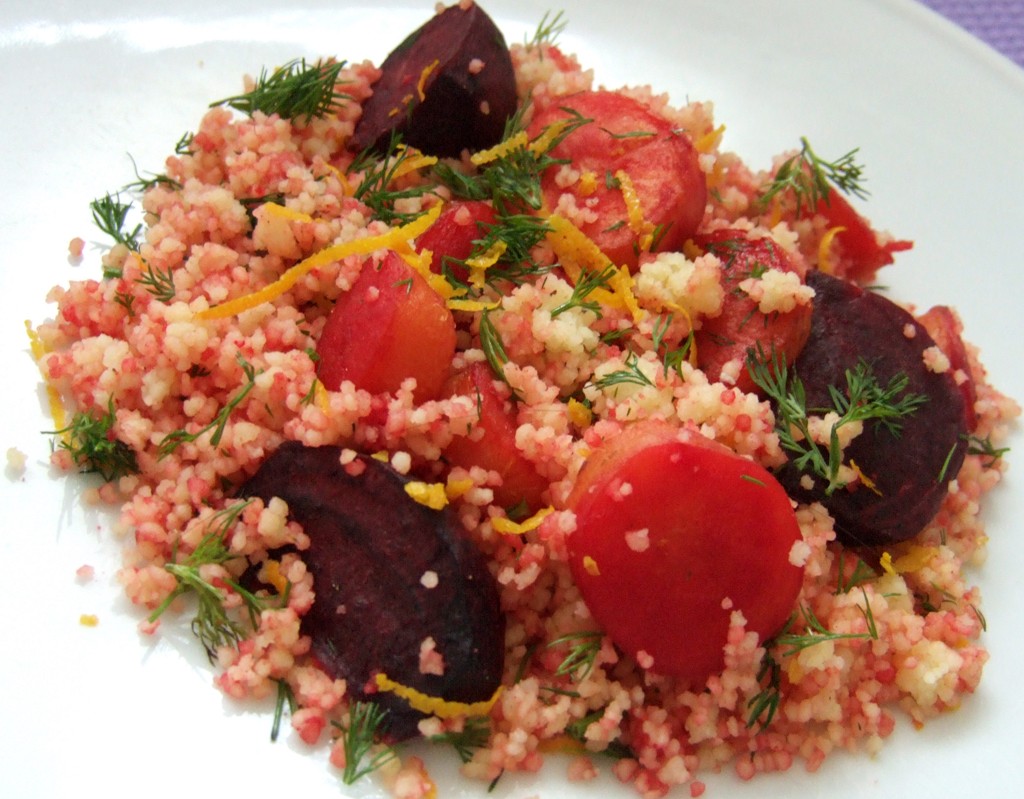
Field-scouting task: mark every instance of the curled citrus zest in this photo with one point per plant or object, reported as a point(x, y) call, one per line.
point(433, 495)
point(643, 229)
point(545, 141)
point(914, 559)
point(579, 414)
point(500, 150)
point(866, 481)
point(420, 263)
point(89, 620)
point(709, 141)
point(456, 488)
point(270, 573)
point(284, 212)
point(590, 565)
point(886, 563)
point(824, 247)
point(320, 397)
point(508, 527)
point(622, 284)
point(394, 238)
point(562, 745)
point(422, 83)
point(38, 350)
point(472, 306)
point(412, 161)
point(576, 251)
point(479, 264)
point(588, 183)
point(435, 705)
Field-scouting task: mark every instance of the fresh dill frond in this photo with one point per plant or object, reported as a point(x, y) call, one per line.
point(184, 144)
point(548, 30)
point(378, 172)
point(176, 438)
point(285, 699)
point(672, 358)
point(111, 215)
point(297, 90)
point(365, 720)
point(93, 447)
point(588, 283)
point(142, 184)
point(583, 649)
point(577, 731)
point(491, 344)
point(159, 283)
point(213, 623)
point(475, 734)
point(984, 447)
point(810, 178)
point(864, 399)
point(631, 373)
point(862, 573)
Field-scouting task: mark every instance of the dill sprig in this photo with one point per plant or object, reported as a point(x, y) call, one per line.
point(862, 573)
point(577, 731)
point(583, 648)
point(110, 216)
point(475, 734)
point(297, 90)
point(548, 30)
point(512, 180)
point(672, 358)
point(176, 438)
point(213, 623)
point(491, 344)
point(810, 178)
point(365, 720)
point(630, 374)
point(984, 447)
point(285, 698)
point(864, 399)
point(159, 283)
point(763, 705)
point(588, 283)
point(93, 446)
point(142, 184)
point(378, 173)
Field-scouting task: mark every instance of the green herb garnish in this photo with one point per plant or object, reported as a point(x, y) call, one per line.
point(94, 448)
point(110, 216)
point(365, 720)
point(864, 399)
point(295, 91)
point(810, 178)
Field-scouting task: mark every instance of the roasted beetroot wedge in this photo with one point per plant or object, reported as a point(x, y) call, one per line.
point(906, 474)
point(448, 87)
point(388, 573)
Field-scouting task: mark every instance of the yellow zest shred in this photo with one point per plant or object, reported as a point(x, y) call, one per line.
point(914, 559)
point(824, 247)
point(643, 229)
point(508, 527)
point(381, 456)
point(457, 488)
point(89, 620)
point(622, 284)
point(285, 212)
point(271, 574)
point(579, 414)
point(590, 565)
point(394, 238)
point(320, 397)
point(413, 161)
point(420, 262)
point(500, 149)
point(346, 187)
point(38, 350)
point(472, 306)
point(886, 563)
point(481, 263)
point(709, 141)
point(576, 251)
point(677, 308)
point(588, 183)
point(433, 495)
point(866, 481)
point(435, 705)
point(422, 83)
point(544, 142)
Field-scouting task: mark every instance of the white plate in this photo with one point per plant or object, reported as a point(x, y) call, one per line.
point(938, 118)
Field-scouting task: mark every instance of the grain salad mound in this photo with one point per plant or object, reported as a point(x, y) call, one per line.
point(522, 326)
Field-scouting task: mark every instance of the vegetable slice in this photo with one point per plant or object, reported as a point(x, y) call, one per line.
point(370, 547)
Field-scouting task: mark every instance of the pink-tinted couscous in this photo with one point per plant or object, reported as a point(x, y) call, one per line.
point(159, 365)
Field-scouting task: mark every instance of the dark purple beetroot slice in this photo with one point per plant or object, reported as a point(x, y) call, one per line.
point(449, 86)
point(910, 472)
point(370, 547)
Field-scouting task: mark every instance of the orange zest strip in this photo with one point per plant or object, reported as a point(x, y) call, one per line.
point(432, 495)
point(643, 229)
point(435, 705)
point(38, 350)
point(508, 527)
point(424, 75)
point(396, 237)
point(500, 149)
point(824, 247)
